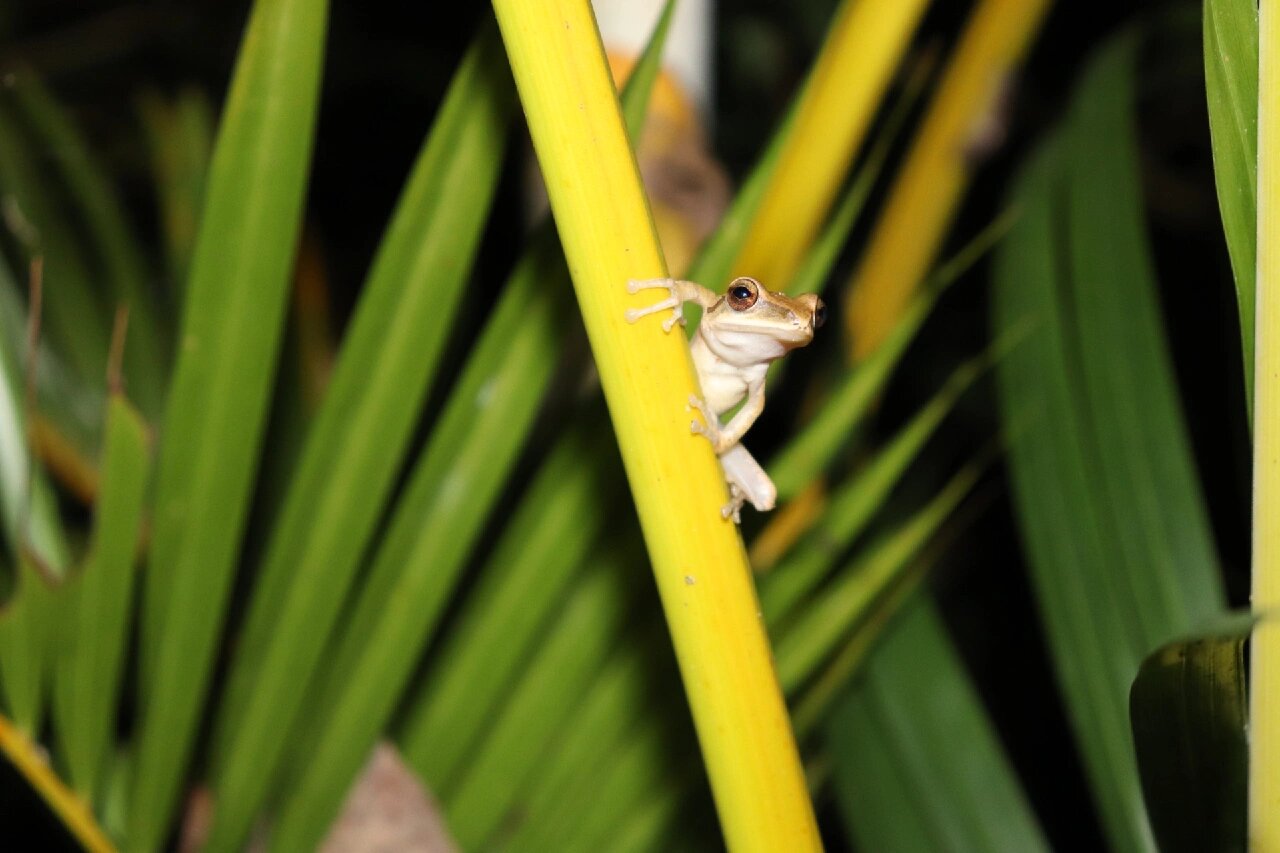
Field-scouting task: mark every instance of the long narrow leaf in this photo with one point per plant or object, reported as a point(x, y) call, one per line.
point(1231, 83)
point(33, 529)
point(217, 404)
point(27, 625)
point(1072, 565)
point(1113, 520)
point(1144, 453)
point(592, 729)
point(88, 683)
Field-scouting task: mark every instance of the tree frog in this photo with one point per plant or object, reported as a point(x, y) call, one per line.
point(740, 334)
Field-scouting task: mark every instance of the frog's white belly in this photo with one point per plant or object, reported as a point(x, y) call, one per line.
point(724, 385)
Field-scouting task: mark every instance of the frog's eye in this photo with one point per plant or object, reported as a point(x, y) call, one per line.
point(819, 314)
point(742, 294)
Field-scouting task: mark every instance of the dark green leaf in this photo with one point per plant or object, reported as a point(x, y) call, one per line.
point(1118, 542)
point(1189, 707)
point(916, 763)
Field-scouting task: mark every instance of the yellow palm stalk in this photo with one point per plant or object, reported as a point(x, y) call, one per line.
point(71, 810)
point(1264, 684)
point(937, 169)
point(698, 559)
point(863, 48)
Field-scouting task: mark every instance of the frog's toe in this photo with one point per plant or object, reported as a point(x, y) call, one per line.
point(635, 285)
point(733, 509)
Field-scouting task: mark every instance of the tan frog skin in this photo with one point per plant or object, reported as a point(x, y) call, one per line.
point(740, 335)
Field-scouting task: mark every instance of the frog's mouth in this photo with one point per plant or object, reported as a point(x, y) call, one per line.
point(791, 330)
point(758, 341)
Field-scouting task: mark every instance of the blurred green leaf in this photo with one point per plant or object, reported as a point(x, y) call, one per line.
point(652, 759)
point(37, 546)
point(915, 761)
point(840, 606)
point(363, 429)
point(118, 259)
point(27, 623)
point(216, 409)
point(1189, 707)
point(28, 510)
point(854, 502)
point(813, 704)
point(100, 602)
point(1231, 83)
point(71, 404)
point(593, 728)
point(1146, 468)
point(519, 591)
point(73, 312)
point(818, 441)
point(1112, 517)
point(590, 622)
point(180, 138)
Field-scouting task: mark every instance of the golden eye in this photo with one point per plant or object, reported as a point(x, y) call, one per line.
point(742, 294)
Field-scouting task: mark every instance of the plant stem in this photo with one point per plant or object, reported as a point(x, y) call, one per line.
point(698, 559)
point(1264, 687)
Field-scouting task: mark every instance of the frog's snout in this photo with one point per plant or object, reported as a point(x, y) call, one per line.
point(819, 315)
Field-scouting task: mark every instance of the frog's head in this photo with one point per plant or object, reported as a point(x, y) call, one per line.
point(748, 308)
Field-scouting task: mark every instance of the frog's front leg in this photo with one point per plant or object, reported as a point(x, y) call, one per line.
point(680, 293)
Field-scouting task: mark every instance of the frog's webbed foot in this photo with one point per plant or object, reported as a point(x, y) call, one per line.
point(673, 301)
point(710, 426)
